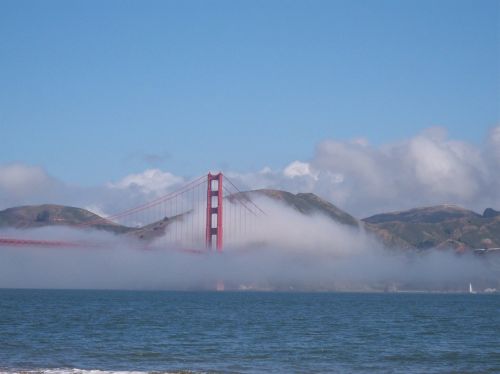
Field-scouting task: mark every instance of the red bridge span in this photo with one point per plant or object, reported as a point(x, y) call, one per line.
point(199, 216)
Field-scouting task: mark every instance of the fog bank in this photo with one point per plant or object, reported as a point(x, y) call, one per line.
point(286, 251)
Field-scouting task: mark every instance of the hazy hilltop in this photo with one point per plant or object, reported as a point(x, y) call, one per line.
point(307, 203)
point(442, 226)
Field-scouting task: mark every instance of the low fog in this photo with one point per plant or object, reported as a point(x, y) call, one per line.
point(284, 250)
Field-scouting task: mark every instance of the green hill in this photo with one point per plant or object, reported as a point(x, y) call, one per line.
point(31, 216)
point(306, 203)
point(441, 226)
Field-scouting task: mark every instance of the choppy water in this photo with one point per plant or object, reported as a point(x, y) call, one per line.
point(75, 331)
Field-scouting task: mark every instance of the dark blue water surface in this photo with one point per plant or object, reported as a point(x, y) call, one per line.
point(50, 331)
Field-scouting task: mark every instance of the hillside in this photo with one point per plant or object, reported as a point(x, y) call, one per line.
point(441, 226)
point(307, 203)
point(156, 229)
point(32, 216)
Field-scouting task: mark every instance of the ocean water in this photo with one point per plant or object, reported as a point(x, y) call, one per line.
point(225, 332)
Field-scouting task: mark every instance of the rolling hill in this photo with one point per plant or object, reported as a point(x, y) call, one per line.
point(442, 226)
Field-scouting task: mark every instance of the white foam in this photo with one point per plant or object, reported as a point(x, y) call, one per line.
point(81, 371)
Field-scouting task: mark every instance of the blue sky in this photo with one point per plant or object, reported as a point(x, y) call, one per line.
point(95, 90)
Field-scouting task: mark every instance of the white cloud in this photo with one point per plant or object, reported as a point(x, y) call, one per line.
point(494, 144)
point(21, 184)
point(299, 169)
point(424, 170)
point(149, 181)
point(446, 168)
point(20, 179)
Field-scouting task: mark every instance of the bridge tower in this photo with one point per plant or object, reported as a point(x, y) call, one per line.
point(214, 211)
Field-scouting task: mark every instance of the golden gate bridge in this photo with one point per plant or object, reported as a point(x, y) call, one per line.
point(205, 214)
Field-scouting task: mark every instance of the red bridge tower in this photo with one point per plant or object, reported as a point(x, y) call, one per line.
point(214, 211)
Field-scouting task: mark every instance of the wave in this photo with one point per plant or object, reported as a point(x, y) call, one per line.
point(82, 371)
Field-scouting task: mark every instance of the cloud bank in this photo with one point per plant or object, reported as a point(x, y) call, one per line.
point(426, 169)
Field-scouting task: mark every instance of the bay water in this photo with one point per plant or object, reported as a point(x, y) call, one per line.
point(80, 331)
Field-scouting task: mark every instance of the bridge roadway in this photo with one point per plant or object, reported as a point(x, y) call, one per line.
point(14, 242)
point(38, 243)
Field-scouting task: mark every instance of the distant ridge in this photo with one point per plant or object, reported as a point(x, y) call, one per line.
point(431, 214)
point(33, 216)
point(440, 226)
